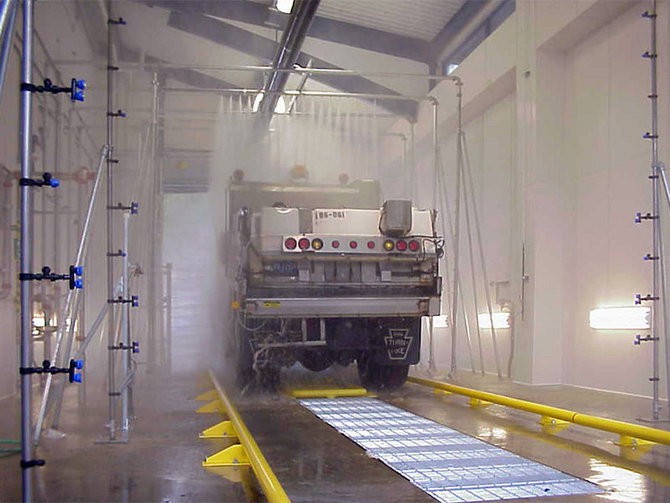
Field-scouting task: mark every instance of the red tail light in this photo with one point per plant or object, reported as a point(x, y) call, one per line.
point(335, 243)
point(371, 245)
point(401, 245)
point(353, 245)
point(414, 245)
point(303, 243)
point(290, 244)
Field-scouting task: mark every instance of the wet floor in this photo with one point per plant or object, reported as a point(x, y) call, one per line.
point(161, 462)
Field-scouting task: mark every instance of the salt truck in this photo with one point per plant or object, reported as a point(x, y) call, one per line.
point(328, 274)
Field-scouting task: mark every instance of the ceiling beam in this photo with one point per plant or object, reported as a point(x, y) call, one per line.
point(329, 30)
point(468, 19)
point(263, 48)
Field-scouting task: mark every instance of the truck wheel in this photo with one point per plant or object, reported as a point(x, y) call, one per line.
point(381, 377)
point(315, 360)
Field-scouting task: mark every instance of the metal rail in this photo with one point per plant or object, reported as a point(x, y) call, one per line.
point(627, 431)
point(272, 489)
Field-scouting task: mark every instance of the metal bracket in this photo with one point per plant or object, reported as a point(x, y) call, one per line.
point(647, 216)
point(47, 179)
point(133, 301)
point(74, 276)
point(32, 463)
point(647, 298)
point(134, 207)
point(119, 113)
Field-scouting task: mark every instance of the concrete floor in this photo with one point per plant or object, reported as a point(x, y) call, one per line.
point(314, 462)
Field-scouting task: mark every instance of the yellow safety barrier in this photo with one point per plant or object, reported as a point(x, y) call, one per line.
point(329, 392)
point(630, 434)
point(247, 452)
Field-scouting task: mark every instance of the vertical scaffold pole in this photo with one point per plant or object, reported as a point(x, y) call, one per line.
point(26, 254)
point(111, 254)
point(657, 296)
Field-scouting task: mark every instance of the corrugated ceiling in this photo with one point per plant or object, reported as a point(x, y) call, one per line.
point(421, 20)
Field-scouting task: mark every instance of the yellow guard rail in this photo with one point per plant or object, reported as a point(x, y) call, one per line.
point(272, 489)
point(629, 432)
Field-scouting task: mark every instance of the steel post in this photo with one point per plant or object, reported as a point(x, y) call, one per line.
point(26, 253)
point(111, 323)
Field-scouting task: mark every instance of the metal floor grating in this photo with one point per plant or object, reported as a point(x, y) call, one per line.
point(448, 465)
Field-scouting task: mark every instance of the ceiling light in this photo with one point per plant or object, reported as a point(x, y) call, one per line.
point(284, 6)
point(620, 318)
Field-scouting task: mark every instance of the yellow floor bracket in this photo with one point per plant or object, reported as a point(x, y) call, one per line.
point(552, 421)
point(328, 392)
point(235, 455)
point(628, 441)
point(224, 429)
point(442, 392)
point(553, 425)
point(207, 396)
point(211, 407)
point(476, 402)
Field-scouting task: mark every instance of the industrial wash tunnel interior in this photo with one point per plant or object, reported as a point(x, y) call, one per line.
point(162, 132)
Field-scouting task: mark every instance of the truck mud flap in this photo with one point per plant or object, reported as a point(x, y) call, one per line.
point(397, 341)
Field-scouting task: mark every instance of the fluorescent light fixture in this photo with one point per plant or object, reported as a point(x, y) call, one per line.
point(620, 318)
point(451, 68)
point(500, 320)
point(285, 6)
point(39, 321)
point(440, 321)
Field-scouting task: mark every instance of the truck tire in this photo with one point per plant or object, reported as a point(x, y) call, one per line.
point(381, 377)
point(315, 360)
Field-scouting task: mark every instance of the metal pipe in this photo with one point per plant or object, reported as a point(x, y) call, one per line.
point(153, 226)
point(67, 309)
point(6, 9)
point(6, 37)
point(656, 222)
point(324, 94)
point(26, 262)
point(111, 324)
point(666, 314)
point(125, 327)
point(475, 297)
point(272, 489)
point(444, 203)
point(168, 316)
point(137, 66)
point(302, 14)
point(457, 224)
point(635, 431)
point(480, 243)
